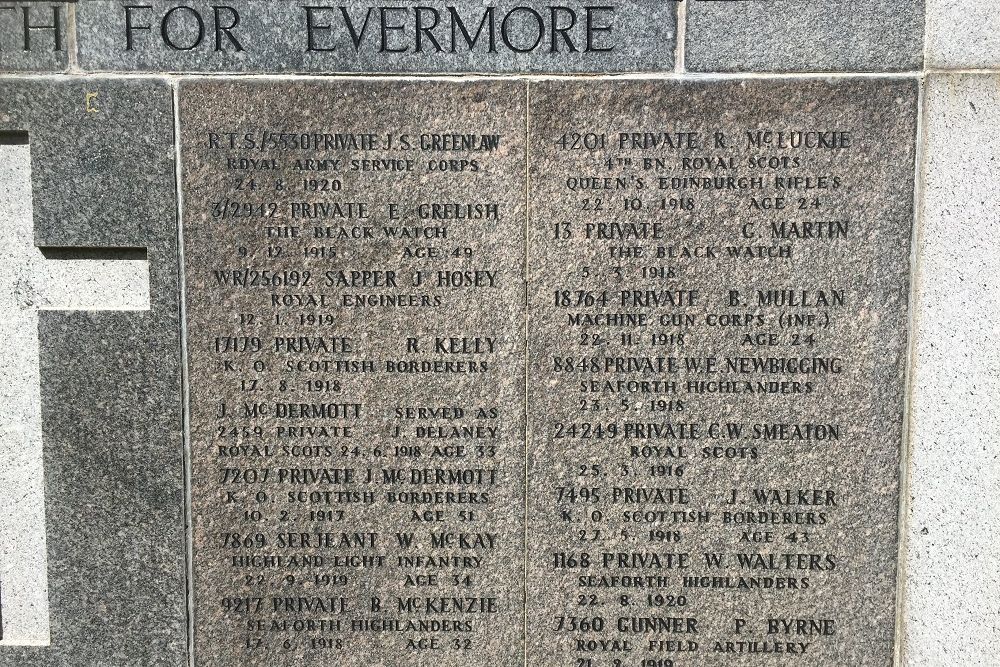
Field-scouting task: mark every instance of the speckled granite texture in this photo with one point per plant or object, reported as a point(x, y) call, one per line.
point(805, 36)
point(738, 412)
point(384, 354)
point(267, 36)
point(44, 45)
point(952, 554)
point(110, 381)
point(963, 34)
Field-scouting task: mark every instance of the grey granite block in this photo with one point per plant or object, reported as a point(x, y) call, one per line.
point(804, 36)
point(381, 36)
point(952, 593)
point(34, 36)
point(354, 256)
point(102, 176)
point(716, 352)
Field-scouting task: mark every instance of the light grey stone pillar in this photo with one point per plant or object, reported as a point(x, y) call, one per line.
point(951, 594)
point(962, 34)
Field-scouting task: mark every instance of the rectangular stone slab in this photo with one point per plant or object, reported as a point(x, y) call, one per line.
point(952, 560)
point(102, 180)
point(34, 36)
point(804, 36)
point(962, 34)
point(378, 36)
point(354, 259)
point(718, 284)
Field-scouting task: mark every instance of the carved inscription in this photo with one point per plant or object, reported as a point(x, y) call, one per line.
point(715, 332)
point(354, 257)
point(718, 288)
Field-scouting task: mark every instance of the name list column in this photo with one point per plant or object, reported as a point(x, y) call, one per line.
point(717, 299)
point(354, 256)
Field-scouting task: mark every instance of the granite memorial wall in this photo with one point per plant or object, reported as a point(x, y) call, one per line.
point(641, 334)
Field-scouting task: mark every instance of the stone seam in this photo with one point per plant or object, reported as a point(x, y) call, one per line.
point(185, 392)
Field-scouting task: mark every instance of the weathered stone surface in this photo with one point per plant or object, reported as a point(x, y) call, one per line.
point(275, 37)
point(952, 593)
point(36, 282)
point(804, 36)
point(963, 34)
point(102, 176)
point(354, 259)
point(716, 368)
point(24, 589)
point(34, 36)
